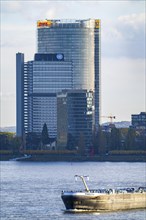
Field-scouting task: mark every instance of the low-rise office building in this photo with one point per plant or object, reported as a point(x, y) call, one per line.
point(74, 119)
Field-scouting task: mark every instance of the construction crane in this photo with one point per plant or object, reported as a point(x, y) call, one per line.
point(111, 117)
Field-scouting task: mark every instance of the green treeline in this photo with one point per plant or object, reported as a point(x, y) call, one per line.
point(9, 142)
point(123, 139)
point(33, 141)
point(29, 141)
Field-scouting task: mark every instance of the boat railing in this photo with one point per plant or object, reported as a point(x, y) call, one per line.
point(105, 191)
point(110, 191)
point(141, 189)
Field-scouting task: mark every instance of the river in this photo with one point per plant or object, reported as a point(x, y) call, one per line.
point(32, 190)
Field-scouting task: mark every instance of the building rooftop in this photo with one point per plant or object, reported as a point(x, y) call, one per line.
point(85, 23)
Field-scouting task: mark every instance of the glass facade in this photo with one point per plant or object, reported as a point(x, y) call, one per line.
point(80, 116)
point(19, 94)
point(79, 41)
point(42, 81)
point(51, 76)
point(76, 42)
point(74, 118)
point(68, 58)
point(139, 120)
point(97, 76)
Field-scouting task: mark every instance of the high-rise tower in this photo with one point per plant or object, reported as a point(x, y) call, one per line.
point(68, 58)
point(79, 41)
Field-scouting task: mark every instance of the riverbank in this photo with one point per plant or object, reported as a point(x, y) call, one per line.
point(76, 158)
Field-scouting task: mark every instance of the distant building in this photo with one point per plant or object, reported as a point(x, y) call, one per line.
point(68, 58)
point(139, 120)
point(139, 125)
point(74, 118)
point(38, 81)
point(79, 41)
point(19, 94)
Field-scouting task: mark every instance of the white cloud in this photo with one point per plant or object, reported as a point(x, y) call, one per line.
point(126, 36)
point(35, 10)
point(11, 6)
point(132, 27)
point(136, 21)
point(50, 13)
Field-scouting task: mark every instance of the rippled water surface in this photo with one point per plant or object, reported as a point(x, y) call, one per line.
point(33, 190)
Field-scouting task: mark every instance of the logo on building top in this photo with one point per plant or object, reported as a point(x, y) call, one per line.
point(97, 23)
point(45, 23)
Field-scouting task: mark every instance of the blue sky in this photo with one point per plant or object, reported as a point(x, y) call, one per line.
point(122, 49)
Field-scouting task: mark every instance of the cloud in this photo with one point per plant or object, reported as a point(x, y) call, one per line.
point(33, 10)
point(134, 23)
point(51, 13)
point(132, 26)
point(126, 36)
point(134, 20)
point(11, 6)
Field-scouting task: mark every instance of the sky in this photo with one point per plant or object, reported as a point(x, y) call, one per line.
point(123, 47)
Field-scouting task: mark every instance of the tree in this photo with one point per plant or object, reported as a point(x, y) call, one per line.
point(32, 140)
point(45, 135)
point(123, 132)
point(8, 141)
point(5, 140)
point(99, 141)
point(102, 143)
point(71, 142)
point(115, 139)
point(130, 139)
point(15, 144)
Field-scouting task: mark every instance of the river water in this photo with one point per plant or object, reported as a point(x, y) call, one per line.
point(32, 190)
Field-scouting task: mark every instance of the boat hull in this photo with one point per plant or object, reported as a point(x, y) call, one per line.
point(104, 202)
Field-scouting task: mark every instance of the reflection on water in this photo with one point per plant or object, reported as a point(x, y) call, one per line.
point(33, 190)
